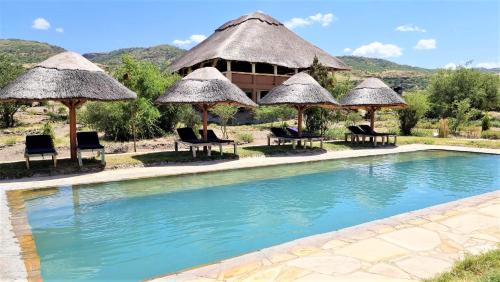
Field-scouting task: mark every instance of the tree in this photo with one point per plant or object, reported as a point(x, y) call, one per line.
point(225, 113)
point(417, 108)
point(318, 119)
point(462, 115)
point(9, 70)
point(448, 87)
point(141, 117)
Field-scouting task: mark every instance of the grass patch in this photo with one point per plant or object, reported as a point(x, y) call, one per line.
point(492, 144)
point(10, 140)
point(480, 268)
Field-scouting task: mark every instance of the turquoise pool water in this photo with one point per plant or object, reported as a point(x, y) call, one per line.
point(133, 230)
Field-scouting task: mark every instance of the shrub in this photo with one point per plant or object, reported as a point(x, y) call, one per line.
point(275, 113)
point(336, 133)
point(462, 115)
point(471, 132)
point(448, 87)
point(417, 107)
point(245, 137)
point(421, 132)
point(352, 118)
point(490, 134)
point(226, 114)
point(443, 129)
point(47, 129)
point(9, 70)
point(485, 122)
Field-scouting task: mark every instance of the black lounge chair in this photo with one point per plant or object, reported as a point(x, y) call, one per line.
point(283, 136)
point(310, 136)
point(214, 139)
point(39, 145)
point(368, 129)
point(89, 141)
point(188, 137)
point(356, 134)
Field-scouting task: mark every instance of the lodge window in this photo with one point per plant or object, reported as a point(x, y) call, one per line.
point(264, 68)
point(239, 66)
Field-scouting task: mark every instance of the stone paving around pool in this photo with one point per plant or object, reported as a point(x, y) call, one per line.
point(406, 247)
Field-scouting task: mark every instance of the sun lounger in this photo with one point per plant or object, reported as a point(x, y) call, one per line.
point(89, 141)
point(368, 129)
point(188, 137)
point(310, 137)
point(212, 137)
point(283, 136)
point(39, 145)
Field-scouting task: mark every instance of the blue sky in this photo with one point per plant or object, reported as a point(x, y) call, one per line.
point(424, 33)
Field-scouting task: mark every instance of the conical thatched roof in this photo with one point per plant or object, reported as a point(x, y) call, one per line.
point(205, 86)
point(66, 76)
point(300, 89)
point(372, 92)
point(257, 38)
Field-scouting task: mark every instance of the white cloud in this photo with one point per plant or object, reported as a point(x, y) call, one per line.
point(40, 23)
point(323, 19)
point(347, 50)
point(410, 28)
point(426, 44)
point(450, 66)
point(195, 38)
point(60, 29)
point(488, 65)
point(378, 50)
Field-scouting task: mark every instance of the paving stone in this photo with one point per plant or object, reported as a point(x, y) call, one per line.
point(364, 277)
point(372, 250)
point(327, 264)
point(423, 267)
point(334, 244)
point(414, 238)
point(290, 273)
point(388, 271)
point(492, 210)
point(468, 223)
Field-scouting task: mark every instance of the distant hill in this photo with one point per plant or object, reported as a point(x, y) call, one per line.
point(160, 55)
point(28, 52)
point(374, 65)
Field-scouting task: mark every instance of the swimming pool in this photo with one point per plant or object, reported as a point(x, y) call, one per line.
point(139, 229)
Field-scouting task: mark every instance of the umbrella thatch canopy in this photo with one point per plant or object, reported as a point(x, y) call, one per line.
point(372, 94)
point(300, 91)
point(257, 38)
point(70, 79)
point(205, 88)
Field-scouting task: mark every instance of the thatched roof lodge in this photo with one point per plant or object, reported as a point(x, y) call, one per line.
point(256, 52)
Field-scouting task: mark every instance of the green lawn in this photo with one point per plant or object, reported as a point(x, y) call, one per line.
point(479, 268)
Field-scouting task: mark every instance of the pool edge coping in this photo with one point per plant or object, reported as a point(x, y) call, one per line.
point(46, 182)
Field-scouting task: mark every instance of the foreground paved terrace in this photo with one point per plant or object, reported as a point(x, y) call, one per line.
point(406, 247)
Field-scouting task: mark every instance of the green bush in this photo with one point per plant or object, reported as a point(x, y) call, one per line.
point(485, 122)
point(417, 107)
point(448, 87)
point(275, 113)
point(245, 137)
point(336, 133)
point(353, 118)
point(490, 134)
point(462, 115)
point(421, 132)
point(9, 70)
point(47, 129)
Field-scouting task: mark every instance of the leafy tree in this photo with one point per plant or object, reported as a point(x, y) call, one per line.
point(318, 119)
point(462, 115)
point(417, 107)
point(448, 87)
point(226, 114)
point(275, 113)
point(9, 70)
point(119, 120)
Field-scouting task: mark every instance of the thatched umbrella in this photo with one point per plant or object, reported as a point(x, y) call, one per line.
point(205, 88)
point(371, 95)
point(300, 91)
point(70, 79)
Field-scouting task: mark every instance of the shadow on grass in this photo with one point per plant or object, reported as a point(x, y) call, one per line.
point(46, 168)
point(280, 150)
point(180, 157)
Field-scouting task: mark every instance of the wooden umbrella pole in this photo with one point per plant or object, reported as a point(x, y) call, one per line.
point(372, 118)
point(205, 122)
point(72, 106)
point(300, 115)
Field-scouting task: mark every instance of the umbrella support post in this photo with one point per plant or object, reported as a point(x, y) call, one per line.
point(72, 106)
